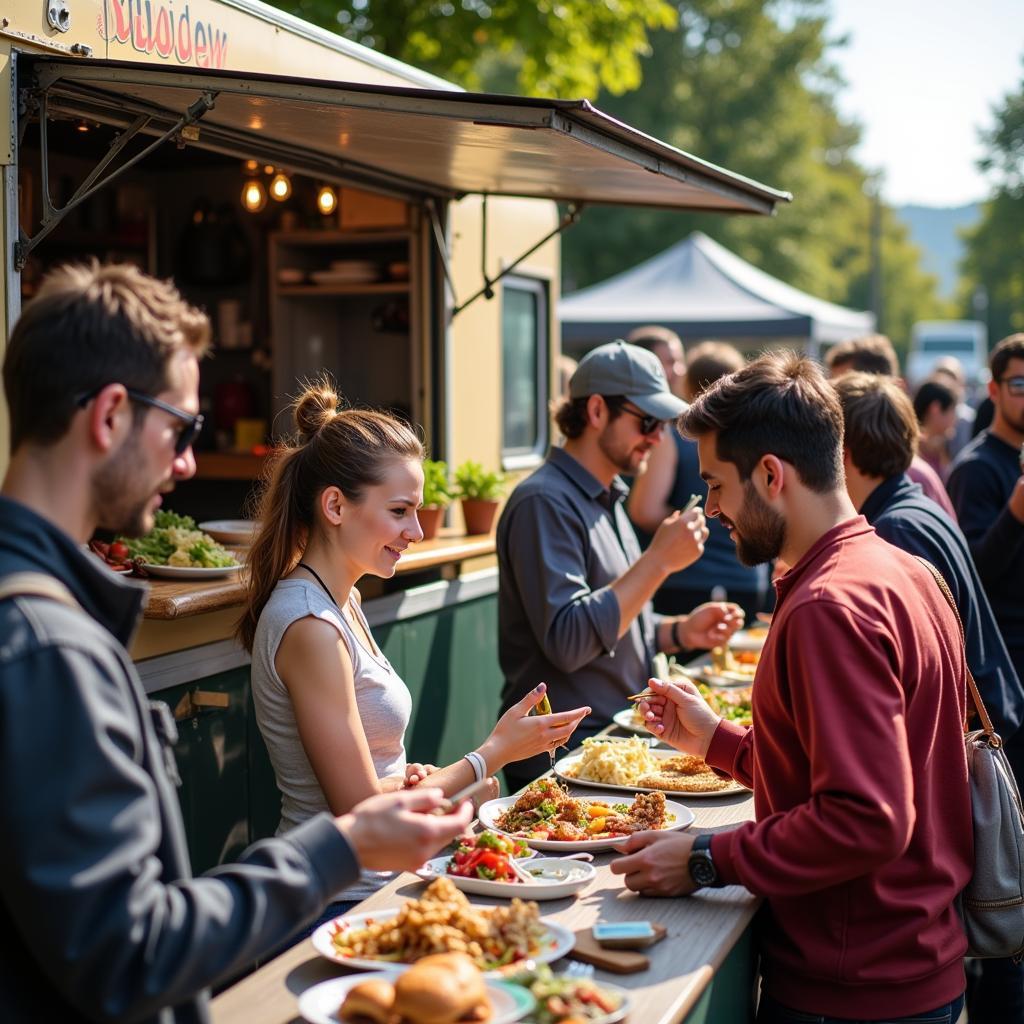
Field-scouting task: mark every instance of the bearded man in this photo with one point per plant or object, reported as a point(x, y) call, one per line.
point(862, 837)
point(574, 590)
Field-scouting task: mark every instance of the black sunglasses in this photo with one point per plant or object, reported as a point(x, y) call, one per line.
point(186, 436)
point(648, 424)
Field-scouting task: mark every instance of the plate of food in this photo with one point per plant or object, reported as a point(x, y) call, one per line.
point(231, 531)
point(749, 639)
point(547, 878)
point(561, 998)
point(725, 667)
point(441, 989)
point(177, 549)
point(550, 819)
point(442, 920)
point(633, 767)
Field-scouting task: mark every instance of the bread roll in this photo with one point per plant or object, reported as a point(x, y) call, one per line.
point(445, 988)
point(369, 1001)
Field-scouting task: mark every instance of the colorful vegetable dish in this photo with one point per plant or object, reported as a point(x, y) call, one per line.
point(487, 856)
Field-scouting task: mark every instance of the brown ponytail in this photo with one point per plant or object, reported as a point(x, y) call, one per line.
point(349, 449)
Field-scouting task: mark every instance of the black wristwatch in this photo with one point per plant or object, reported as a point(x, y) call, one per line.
point(702, 867)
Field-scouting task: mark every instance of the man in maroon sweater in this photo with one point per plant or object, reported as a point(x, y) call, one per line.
point(862, 839)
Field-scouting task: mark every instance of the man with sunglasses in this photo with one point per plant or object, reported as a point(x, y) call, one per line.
point(101, 915)
point(574, 590)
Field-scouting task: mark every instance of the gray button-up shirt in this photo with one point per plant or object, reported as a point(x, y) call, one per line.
point(563, 539)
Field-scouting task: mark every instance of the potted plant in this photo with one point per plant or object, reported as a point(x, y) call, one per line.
point(437, 494)
point(479, 490)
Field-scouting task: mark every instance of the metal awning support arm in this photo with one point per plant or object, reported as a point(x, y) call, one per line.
point(441, 242)
point(570, 217)
point(94, 181)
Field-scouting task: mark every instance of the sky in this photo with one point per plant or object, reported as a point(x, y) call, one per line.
point(923, 76)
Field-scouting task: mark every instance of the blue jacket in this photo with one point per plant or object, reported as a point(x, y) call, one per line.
point(902, 515)
point(101, 917)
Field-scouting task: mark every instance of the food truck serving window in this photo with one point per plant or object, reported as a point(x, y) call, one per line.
point(414, 142)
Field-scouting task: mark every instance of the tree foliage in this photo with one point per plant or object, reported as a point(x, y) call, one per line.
point(748, 85)
point(993, 266)
point(542, 48)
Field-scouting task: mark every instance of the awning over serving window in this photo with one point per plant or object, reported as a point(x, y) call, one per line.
point(404, 140)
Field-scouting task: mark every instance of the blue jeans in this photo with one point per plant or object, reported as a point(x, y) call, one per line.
point(995, 991)
point(771, 1012)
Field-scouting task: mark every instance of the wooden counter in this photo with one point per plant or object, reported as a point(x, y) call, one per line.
point(702, 932)
point(176, 599)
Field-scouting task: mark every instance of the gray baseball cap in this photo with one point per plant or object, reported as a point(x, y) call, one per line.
point(622, 369)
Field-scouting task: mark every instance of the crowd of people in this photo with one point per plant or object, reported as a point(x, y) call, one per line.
point(833, 475)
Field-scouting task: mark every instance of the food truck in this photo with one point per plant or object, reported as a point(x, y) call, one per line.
point(332, 209)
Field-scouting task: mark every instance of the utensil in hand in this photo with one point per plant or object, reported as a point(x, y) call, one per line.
point(695, 500)
point(474, 789)
point(543, 707)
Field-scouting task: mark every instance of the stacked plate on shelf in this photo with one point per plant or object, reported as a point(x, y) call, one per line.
point(348, 272)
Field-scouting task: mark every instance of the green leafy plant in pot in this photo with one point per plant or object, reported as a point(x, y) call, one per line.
point(479, 490)
point(437, 495)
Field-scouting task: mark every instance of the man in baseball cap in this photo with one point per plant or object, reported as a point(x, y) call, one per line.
point(574, 589)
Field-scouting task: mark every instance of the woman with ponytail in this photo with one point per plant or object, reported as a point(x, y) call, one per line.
point(341, 503)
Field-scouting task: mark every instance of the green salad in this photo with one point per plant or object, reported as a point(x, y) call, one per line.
point(175, 540)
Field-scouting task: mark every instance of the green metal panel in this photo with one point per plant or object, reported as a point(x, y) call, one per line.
point(730, 995)
point(212, 761)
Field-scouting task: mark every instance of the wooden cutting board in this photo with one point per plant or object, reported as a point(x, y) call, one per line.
point(616, 961)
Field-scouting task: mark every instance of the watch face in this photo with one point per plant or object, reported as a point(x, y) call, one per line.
point(702, 871)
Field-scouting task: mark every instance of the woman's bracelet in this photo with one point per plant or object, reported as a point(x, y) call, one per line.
point(478, 765)
point(675, 635)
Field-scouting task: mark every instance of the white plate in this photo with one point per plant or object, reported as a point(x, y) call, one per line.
point(703, 671)
point(745, 641)
point(575, 875)
point(565, 762)
point(553, 946)
point(231, 531)
point(188, 572)
point(679, 817)
point(624, 720)
point(319, 1004)
point(625, 1003)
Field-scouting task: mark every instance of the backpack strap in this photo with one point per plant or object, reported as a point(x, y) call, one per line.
point(972, 687)
point(37, 584)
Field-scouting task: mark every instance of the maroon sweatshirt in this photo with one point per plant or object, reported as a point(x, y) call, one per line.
point(862, 839)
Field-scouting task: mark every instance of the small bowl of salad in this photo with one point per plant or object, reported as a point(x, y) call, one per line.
point(562, 999)
point(486, 856)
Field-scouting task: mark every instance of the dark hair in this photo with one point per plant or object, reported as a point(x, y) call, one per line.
point(781, 405)
point(1011, 347)
point(651, 336)
point(880, 428)
point(89, 326)
point(347, 448)
point(571, 414)
point(933, 391)
point(871, 354)
point(707, 362)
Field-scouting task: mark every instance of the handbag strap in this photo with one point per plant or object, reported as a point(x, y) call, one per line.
point(36, 584)
point(972, 686)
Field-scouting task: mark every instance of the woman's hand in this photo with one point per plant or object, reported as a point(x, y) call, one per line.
point(709, 625)
point(415, 773)
point(519, 735)
point(679, 715)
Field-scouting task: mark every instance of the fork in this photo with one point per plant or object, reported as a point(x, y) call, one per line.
point(575, 969)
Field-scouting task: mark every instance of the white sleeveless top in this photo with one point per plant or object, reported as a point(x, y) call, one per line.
point(383, 700)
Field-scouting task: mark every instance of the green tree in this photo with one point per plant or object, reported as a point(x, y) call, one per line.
point(994, 260)
point(748, 85)
point(542, 48)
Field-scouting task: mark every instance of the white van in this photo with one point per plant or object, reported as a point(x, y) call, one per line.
point(930, 340)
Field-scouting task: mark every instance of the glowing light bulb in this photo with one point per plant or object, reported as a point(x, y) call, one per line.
point(326, 200)
point(280, 187)
point(254, 196)
point(252, 166)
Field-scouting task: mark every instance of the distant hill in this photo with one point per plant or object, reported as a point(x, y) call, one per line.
point(935, 230)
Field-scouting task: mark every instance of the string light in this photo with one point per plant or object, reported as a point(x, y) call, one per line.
point(254, 195)
point(280, 187)
point(326, 200)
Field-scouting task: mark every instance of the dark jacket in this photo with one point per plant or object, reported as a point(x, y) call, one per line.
point(902, 515)
point(101, 917)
